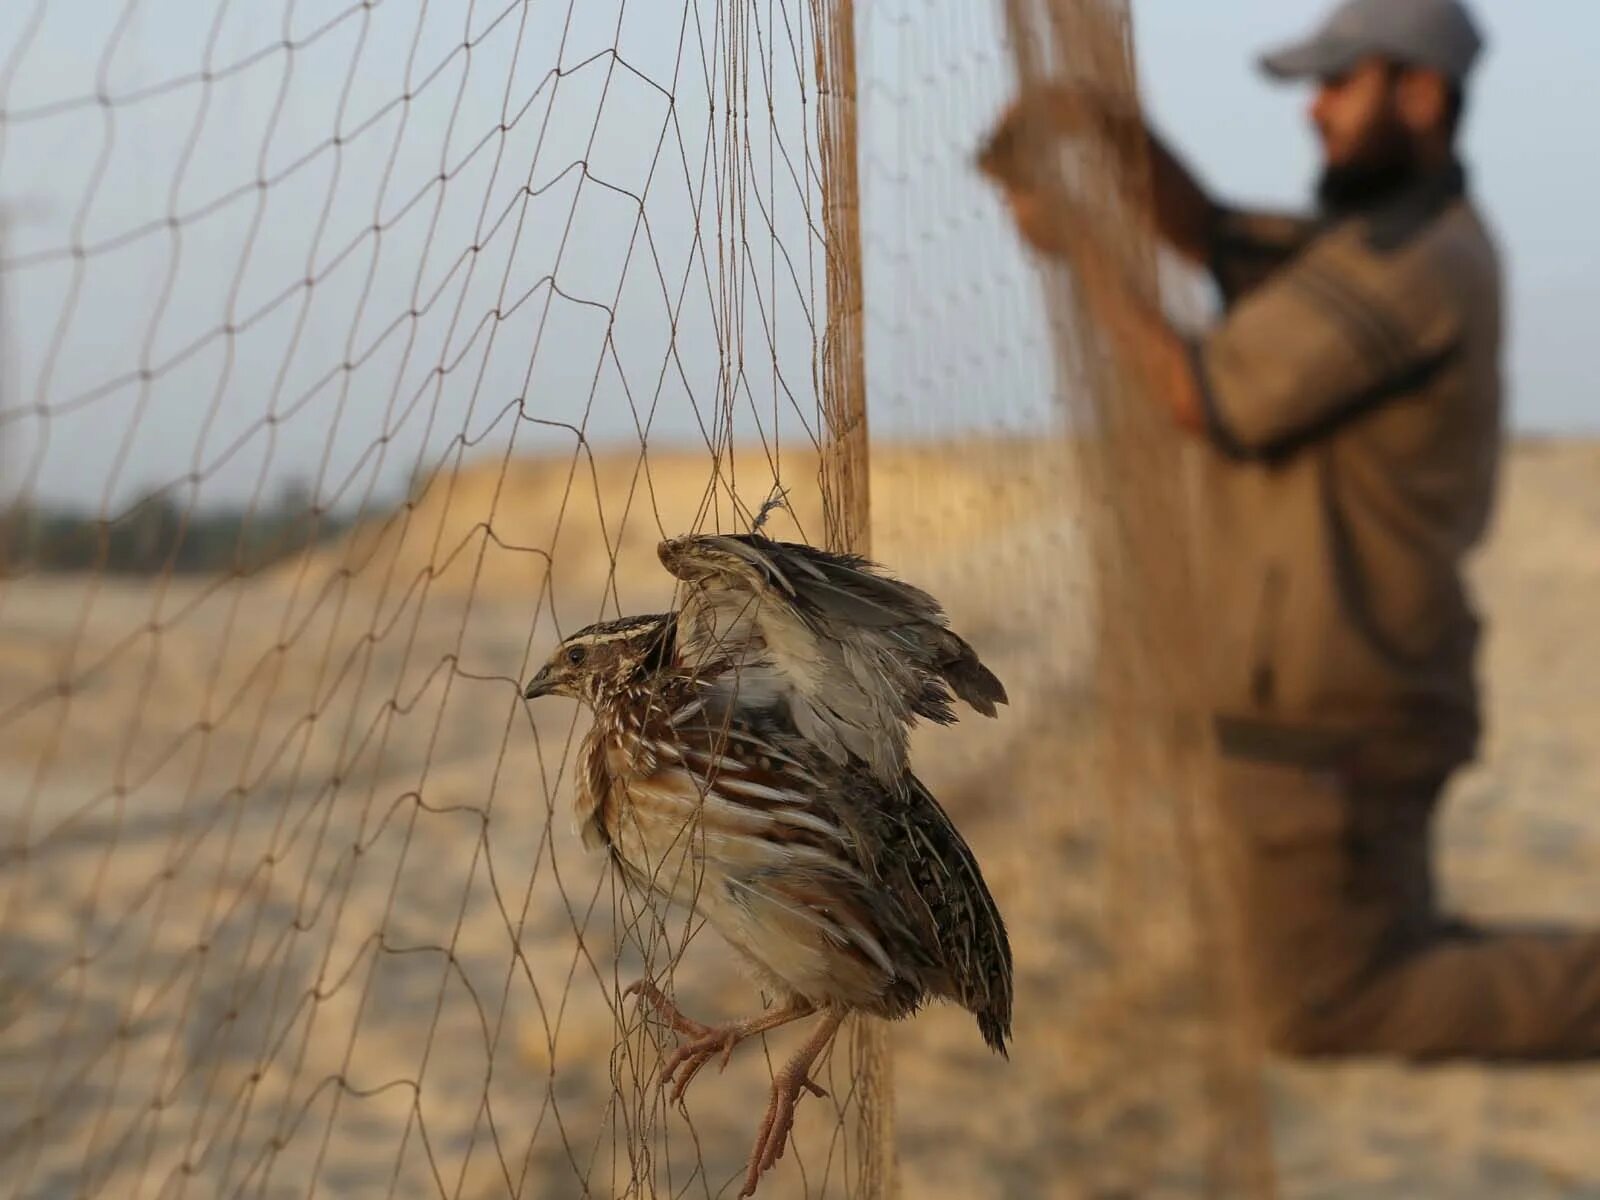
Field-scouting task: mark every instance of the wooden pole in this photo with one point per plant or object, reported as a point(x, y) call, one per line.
point(844, 477)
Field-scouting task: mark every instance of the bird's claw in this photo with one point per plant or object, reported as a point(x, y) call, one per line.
point(692, 1055)
point(773, 1137)
point(704, 1041)
point(665, 1009)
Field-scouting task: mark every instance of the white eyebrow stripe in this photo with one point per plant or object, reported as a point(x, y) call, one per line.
point(603, 639)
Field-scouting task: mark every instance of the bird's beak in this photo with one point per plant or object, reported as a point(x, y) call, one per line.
point(539, 685)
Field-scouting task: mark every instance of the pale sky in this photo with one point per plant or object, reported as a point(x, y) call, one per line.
point(589, 307)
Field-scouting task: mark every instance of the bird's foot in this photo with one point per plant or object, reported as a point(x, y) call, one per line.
point(665, 1009)
point(705, 1042)
point(787, 1087)
point(684, 1063)
point(776, 1126)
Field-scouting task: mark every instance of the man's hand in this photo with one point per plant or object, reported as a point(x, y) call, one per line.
point(1139, 331)
point(1041, 116)
point(1057, 225)
point(1016, 153)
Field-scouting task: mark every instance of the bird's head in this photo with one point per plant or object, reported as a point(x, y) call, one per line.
point(605, 660)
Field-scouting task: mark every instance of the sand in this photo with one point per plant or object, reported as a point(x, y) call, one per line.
point(302, 911)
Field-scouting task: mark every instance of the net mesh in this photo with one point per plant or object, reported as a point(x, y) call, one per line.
point(351, 355)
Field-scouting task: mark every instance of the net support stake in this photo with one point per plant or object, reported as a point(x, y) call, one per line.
point(844, 475)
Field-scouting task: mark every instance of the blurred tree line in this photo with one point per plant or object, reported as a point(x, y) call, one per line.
point(156, 536)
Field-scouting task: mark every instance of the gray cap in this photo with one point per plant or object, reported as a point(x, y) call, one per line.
point(1439, 34)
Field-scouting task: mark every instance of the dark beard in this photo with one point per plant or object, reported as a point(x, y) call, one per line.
point(1385, 166)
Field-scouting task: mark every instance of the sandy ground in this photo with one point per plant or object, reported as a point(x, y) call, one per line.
point(292, 905)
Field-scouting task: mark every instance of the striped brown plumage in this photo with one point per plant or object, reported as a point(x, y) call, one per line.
point(854, 655)
point(844, 892)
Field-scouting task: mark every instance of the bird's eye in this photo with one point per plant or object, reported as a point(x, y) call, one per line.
point(576, 655)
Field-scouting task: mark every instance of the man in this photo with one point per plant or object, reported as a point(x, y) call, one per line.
point(1350, 397)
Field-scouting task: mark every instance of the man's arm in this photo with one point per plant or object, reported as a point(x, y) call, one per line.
point(1323, 341)
point(1240, 248)
point(1308, 340)
point(1181, 211)
point(1142, 330)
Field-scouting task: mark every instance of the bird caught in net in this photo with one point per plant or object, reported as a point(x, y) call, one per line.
point(843, 885)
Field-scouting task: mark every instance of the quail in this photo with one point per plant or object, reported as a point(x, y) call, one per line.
point(843, 890)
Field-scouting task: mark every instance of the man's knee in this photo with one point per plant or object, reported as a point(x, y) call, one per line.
point(1295, 1027)
point(1318, 1001)
point(1417, 1008)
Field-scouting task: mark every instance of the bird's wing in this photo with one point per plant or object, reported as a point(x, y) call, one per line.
point(927, 866)
point(855, 655)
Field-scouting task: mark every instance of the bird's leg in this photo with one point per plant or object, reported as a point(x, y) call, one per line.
point(706, 1041)
point(787, 1084)
point(665, 1009)
point(684, 1063)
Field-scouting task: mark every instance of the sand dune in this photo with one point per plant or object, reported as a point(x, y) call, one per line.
point(301, 899)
